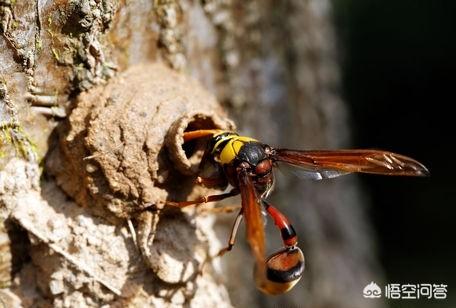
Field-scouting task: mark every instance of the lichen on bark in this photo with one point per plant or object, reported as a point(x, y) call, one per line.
point(13, 139)
point(80, 45)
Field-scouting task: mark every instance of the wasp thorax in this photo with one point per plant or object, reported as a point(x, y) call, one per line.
point(251, 152)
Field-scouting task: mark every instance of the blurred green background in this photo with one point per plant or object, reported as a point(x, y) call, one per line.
point(399, 65)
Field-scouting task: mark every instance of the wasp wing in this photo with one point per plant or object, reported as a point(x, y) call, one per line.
point(251, 210)
point(309, 174)
point(329, 164)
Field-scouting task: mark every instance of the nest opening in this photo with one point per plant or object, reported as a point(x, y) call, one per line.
point(187, 156)
point(195, 147)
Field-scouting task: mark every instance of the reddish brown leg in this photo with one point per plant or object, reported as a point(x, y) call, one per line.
point(204, 199)
point(287, 231)
point(232, 239)
point(225, 209)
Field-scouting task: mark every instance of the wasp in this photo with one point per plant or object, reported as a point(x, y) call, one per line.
point(247, 165)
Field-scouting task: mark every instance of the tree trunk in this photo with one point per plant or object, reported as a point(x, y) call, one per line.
point(95, 96)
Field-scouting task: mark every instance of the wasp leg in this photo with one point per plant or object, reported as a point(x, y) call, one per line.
point(211, 182)
point(287, 231)
point(204, 199)
point(226, 209)
point(232, 239)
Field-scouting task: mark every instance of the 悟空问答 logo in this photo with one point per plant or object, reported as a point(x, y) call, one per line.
point(372, 290)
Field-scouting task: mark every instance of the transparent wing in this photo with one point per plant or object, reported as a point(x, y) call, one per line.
point(308, 174)
point(329, 164)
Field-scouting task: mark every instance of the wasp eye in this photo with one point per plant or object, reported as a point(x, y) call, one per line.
point(263, 167)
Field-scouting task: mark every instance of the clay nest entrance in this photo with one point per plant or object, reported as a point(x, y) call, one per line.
point(115, 153)
point(111, 149)
point(187, 156)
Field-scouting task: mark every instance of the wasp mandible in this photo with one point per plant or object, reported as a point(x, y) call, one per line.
point(247, 165)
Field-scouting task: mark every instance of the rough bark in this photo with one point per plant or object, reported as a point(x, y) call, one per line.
point(271, 65)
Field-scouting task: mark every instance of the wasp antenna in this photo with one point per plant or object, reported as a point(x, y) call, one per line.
point(201, 133)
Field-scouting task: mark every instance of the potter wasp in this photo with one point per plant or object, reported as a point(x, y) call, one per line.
point(247, 165)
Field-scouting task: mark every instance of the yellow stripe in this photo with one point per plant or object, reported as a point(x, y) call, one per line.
point(246, 139)
point(227, 137)
point(232, 148)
